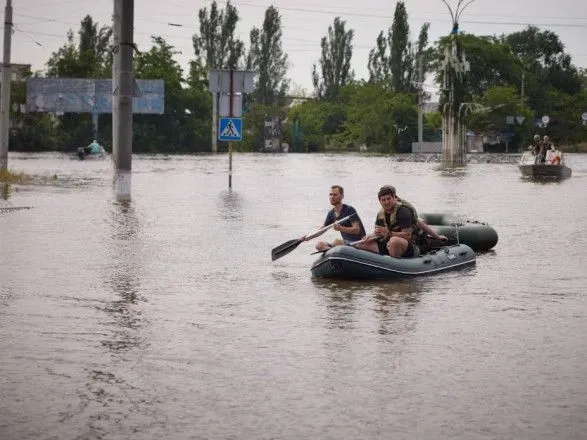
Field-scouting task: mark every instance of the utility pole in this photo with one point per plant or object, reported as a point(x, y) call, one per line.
point(214, 122)
point(420, 101)
point(5, 94)
point(122, 147)
point(125, 83)
point(115, 74)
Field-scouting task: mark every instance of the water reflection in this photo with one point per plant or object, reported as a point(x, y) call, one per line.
point(122, 275)
point(230, 206)
point(341, 299)
point(452, 171)
point(122, 184)
point(396, 300)
point(5, 191)
point(392, 302)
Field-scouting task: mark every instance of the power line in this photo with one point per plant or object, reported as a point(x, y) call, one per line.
point(356, 14)
point(359, 14)
point(27, 35)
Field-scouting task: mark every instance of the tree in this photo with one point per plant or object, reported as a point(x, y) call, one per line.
point(266, 56)
point(368, 122)
point(398, 69)
point(335, 61)
point(401, 59)
point(215, 46)
point(583, 79)
point(154, 130)
point(91, 58)
point(545, 65)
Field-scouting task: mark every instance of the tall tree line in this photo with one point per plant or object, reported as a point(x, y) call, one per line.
point(342, 105)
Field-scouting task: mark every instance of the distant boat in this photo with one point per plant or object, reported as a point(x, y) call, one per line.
point(85, 153)
point(554, 168)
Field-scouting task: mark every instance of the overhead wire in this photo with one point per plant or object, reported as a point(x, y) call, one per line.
point(292, 48)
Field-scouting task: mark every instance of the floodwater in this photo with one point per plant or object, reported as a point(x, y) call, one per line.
point(163, 317)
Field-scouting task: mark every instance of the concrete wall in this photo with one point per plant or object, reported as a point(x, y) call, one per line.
point(427, 147)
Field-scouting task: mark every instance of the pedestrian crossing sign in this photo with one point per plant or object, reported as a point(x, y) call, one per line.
point(230, 129)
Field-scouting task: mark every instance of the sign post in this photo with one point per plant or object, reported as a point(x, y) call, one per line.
point(231, 85)
point(584, 117)
point(230, 142)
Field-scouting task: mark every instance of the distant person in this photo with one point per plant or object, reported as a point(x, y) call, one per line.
point(351, 230)
point(94, 147)
point(536, 144)
point(541, 155)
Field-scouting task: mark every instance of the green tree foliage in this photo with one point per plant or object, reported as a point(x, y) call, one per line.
point(399, 68)
point(583, 79)
point(89, 58)
point(367, 121)
point(319, 120)
point(335, 61)
point(30, 131)
point(199, 105)
point(501, 102)
point(170, 128)
point(366, 114)
point(401, 58)
point(216, 46)
point(546, 67)
point(266, 57)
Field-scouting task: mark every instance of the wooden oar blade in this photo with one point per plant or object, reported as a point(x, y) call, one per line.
point(284, 249)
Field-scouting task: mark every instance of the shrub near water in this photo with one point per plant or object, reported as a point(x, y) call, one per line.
point(12, 177)
point(7, 176)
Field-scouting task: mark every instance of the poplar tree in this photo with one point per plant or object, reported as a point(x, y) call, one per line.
point(267, 58)
point(216, 46)
point(335, 61)
point(394, 60)
point(90, 58)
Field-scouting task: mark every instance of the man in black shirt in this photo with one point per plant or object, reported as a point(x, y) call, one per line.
point(395, 227)
point(351, 230)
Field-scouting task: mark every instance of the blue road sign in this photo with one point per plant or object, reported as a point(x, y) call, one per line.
point(230, 129)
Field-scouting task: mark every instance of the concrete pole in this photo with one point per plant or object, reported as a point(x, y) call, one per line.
point(6, 82)
point(123, 145)
point(115, 73)
point(214, 122)
point(420, 102)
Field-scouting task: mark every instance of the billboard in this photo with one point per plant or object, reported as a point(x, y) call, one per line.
point(83, 95)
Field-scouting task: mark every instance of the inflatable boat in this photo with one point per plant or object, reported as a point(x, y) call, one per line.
point(477, 235)
point(347, 262)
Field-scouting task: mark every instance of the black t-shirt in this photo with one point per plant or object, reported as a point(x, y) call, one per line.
point(403, 217)
point(344, 212)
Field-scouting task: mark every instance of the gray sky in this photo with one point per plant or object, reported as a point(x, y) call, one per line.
point(41, 25)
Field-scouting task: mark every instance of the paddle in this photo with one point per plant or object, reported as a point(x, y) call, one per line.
point(288, 246)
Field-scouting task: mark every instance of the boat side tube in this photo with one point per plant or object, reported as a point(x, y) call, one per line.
point(479, 236)
point(347, 262)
